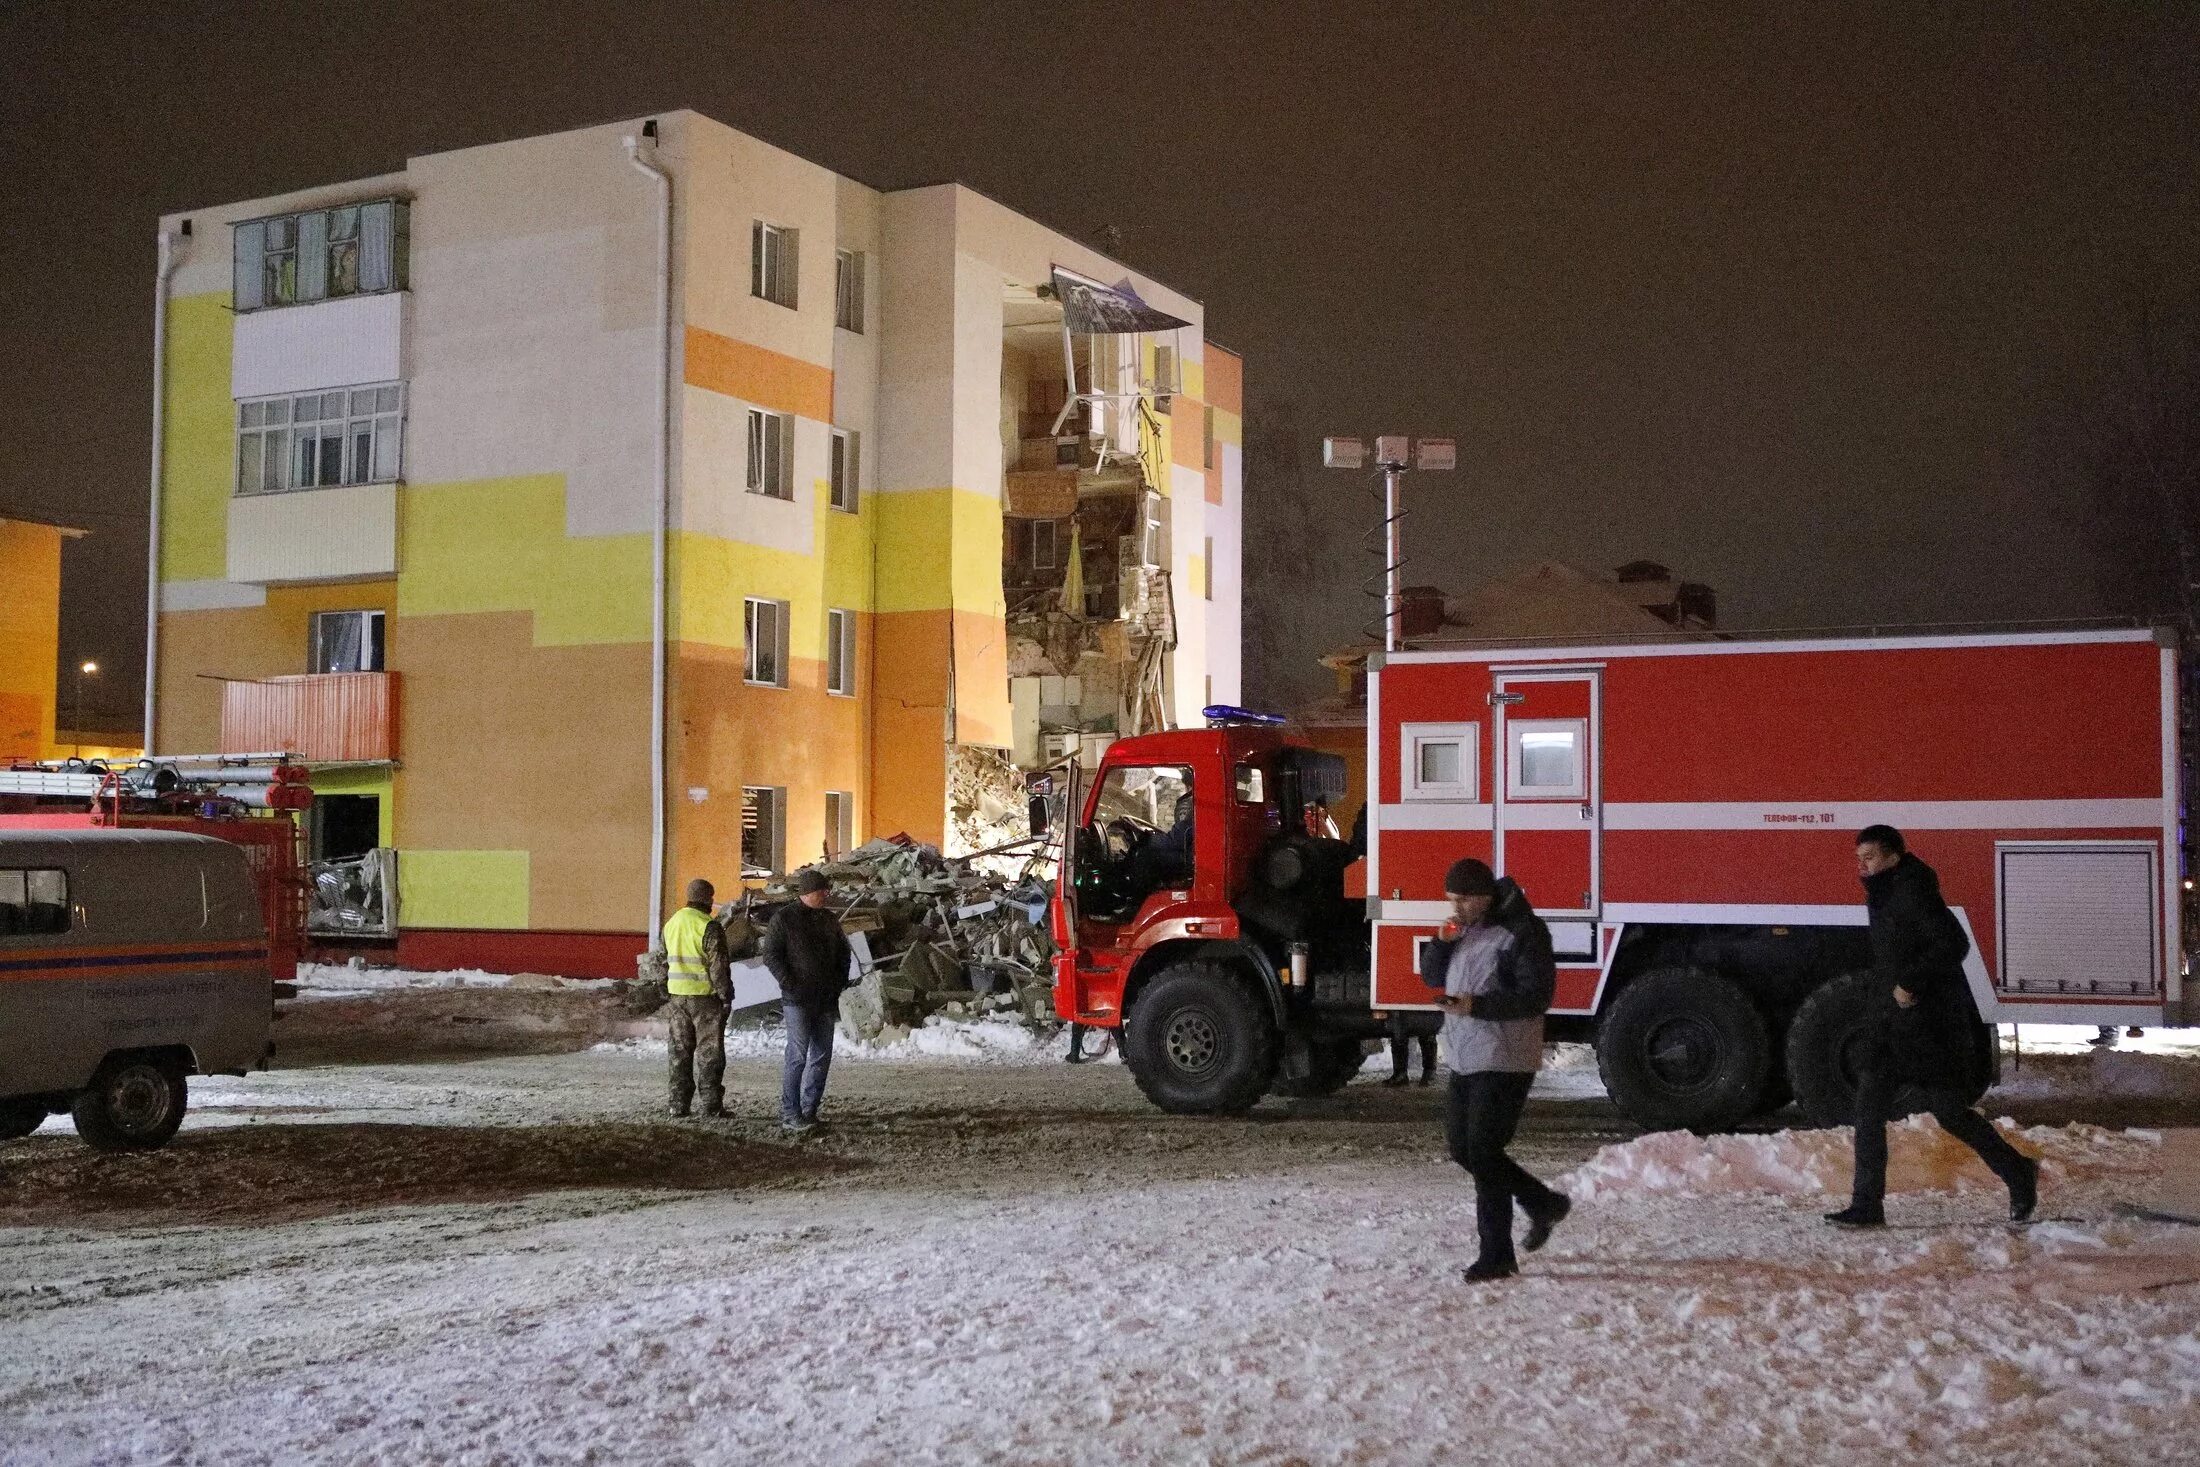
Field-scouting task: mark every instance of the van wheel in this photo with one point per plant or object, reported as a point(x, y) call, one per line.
point(1331, 1064)
point(1682, 1049)
point(134, 1103)
point(1200, 1041)
point(18, 1118)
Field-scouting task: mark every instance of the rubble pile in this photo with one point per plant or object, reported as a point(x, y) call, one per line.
point(932, 934)
point(985, 800)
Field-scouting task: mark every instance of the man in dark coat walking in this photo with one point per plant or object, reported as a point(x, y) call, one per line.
point(808, 953)
point(1927, 1031)
point(1492, 965)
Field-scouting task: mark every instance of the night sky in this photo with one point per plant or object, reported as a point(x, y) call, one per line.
point(1802, 304)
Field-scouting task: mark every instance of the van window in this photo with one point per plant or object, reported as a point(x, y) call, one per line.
point(33, 901)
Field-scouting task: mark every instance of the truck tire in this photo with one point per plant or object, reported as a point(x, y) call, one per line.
point(1828, 1041)
point(134, 1103)
point(1200, 1041)
point(18, 1118)
point(1331, 1065)
point(1682, 1049)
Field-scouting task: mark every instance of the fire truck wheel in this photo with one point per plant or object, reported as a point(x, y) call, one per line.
point(1682, 1049)
point(134, 1103)
point(1331, 1065)
point(1200, 1041)
point(1826, 1046)
point(20, 1117)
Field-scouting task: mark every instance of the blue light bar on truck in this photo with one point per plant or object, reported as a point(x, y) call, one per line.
point(1221, 714)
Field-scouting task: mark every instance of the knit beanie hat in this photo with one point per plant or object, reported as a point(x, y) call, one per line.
point(1469, 878)
point(810, 879)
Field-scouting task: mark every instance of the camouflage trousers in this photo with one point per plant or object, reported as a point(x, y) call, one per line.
point(695, 1037)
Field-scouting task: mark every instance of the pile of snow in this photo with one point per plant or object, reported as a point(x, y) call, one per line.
point(2078, 1039)
point(1921, 1157)
point(2100, 1074)
point(356, 980)
point(955, 1041)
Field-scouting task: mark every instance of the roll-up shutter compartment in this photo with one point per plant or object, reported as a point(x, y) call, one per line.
point(2080, 918)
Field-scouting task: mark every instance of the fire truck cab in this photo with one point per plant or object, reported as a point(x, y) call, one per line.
point(1201, 916)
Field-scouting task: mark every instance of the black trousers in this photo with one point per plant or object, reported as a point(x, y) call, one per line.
point(1399, 1051)
point(1875, 1097)
point(1481, 1112)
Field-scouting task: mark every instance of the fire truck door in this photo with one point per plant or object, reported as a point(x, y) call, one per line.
point(1549, 808)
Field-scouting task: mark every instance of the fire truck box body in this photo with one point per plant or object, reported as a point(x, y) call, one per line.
point(1641, 792)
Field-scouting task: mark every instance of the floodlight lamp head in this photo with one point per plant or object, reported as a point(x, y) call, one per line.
point(1391, 451)
point(1343, 453)
point(1435, 453)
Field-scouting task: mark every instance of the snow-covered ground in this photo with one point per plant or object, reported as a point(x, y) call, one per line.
point(1016, 1262)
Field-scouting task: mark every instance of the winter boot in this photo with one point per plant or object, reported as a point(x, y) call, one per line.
point(2024, 1193)
point(1541, 1223)
point(1859, 1215)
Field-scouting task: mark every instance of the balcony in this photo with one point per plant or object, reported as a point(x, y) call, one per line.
point(319, 718)
point(347, 533)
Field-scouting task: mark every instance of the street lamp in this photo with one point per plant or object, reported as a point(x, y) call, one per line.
point(1393, 455)
point(84, 669)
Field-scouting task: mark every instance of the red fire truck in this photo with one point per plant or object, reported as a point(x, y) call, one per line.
point(1683, 814)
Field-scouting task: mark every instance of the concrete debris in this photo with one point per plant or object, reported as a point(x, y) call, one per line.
point(986, 806)
point(933, 934)
point(355, 897)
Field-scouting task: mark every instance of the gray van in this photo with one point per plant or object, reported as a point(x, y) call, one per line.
point(128, 960)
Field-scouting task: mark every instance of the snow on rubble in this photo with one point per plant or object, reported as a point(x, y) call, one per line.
point(1921, 1157)
point(356, 979)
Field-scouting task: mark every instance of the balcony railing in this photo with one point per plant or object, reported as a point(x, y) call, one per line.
point(321, 718)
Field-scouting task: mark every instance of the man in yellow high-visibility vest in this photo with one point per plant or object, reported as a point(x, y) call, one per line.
point(699, 978)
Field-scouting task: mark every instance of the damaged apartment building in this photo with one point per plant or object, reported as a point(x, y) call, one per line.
point(593, 511)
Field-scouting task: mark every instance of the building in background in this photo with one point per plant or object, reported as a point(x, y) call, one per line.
point(407, 506)
point(30, 632)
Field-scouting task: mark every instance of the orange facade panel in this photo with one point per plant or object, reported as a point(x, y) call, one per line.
point(326, 717)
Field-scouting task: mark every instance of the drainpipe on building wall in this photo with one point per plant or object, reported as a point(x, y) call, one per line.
point(164, 271)
point(657, 537)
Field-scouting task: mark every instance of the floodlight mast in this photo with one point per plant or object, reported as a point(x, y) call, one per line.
point(1393, 455)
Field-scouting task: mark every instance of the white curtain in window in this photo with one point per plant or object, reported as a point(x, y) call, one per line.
point(375, 250)
point(312, 256)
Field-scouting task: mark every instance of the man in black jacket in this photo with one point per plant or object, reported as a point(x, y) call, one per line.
point(809, 955)
point(1492, 965)
point(1927, 1031)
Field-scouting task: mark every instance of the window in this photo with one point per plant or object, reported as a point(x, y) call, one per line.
point(345, 641)
point(1207, 441)
point(772, 264)
point(764, 630)
point(840, 653)
point(1442, 761)
point(33, 902)
point(322, 254)
point(1252, 786)
point(843, 467)
point(840, 822)
point(848, 290)
point(1207, 569)
point(353, 435)
point(1151, 552)
point(1544, 759)
point(763, 830)
point(1164, 371)
point(1046, 544)
point(1153, 797)
point(771, 454)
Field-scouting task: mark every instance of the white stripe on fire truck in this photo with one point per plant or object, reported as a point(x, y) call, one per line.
point(2134, 814)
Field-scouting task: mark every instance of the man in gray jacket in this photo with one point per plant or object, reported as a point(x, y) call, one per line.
point(1492, 961)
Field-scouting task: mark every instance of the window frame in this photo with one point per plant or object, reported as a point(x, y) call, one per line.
point(255, 426)
point(840, 652)
point(1516, 787)
point(840, 821)
point(1055, 549)
point(775, 264)
point(770, 441)
point(843, 470)
point(773, 797)
point(750, 641)
point(387, 217)
point(1207, 569)
point(1465, 790)
point(23, 875)
point(848, 290)
point(375, 637)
